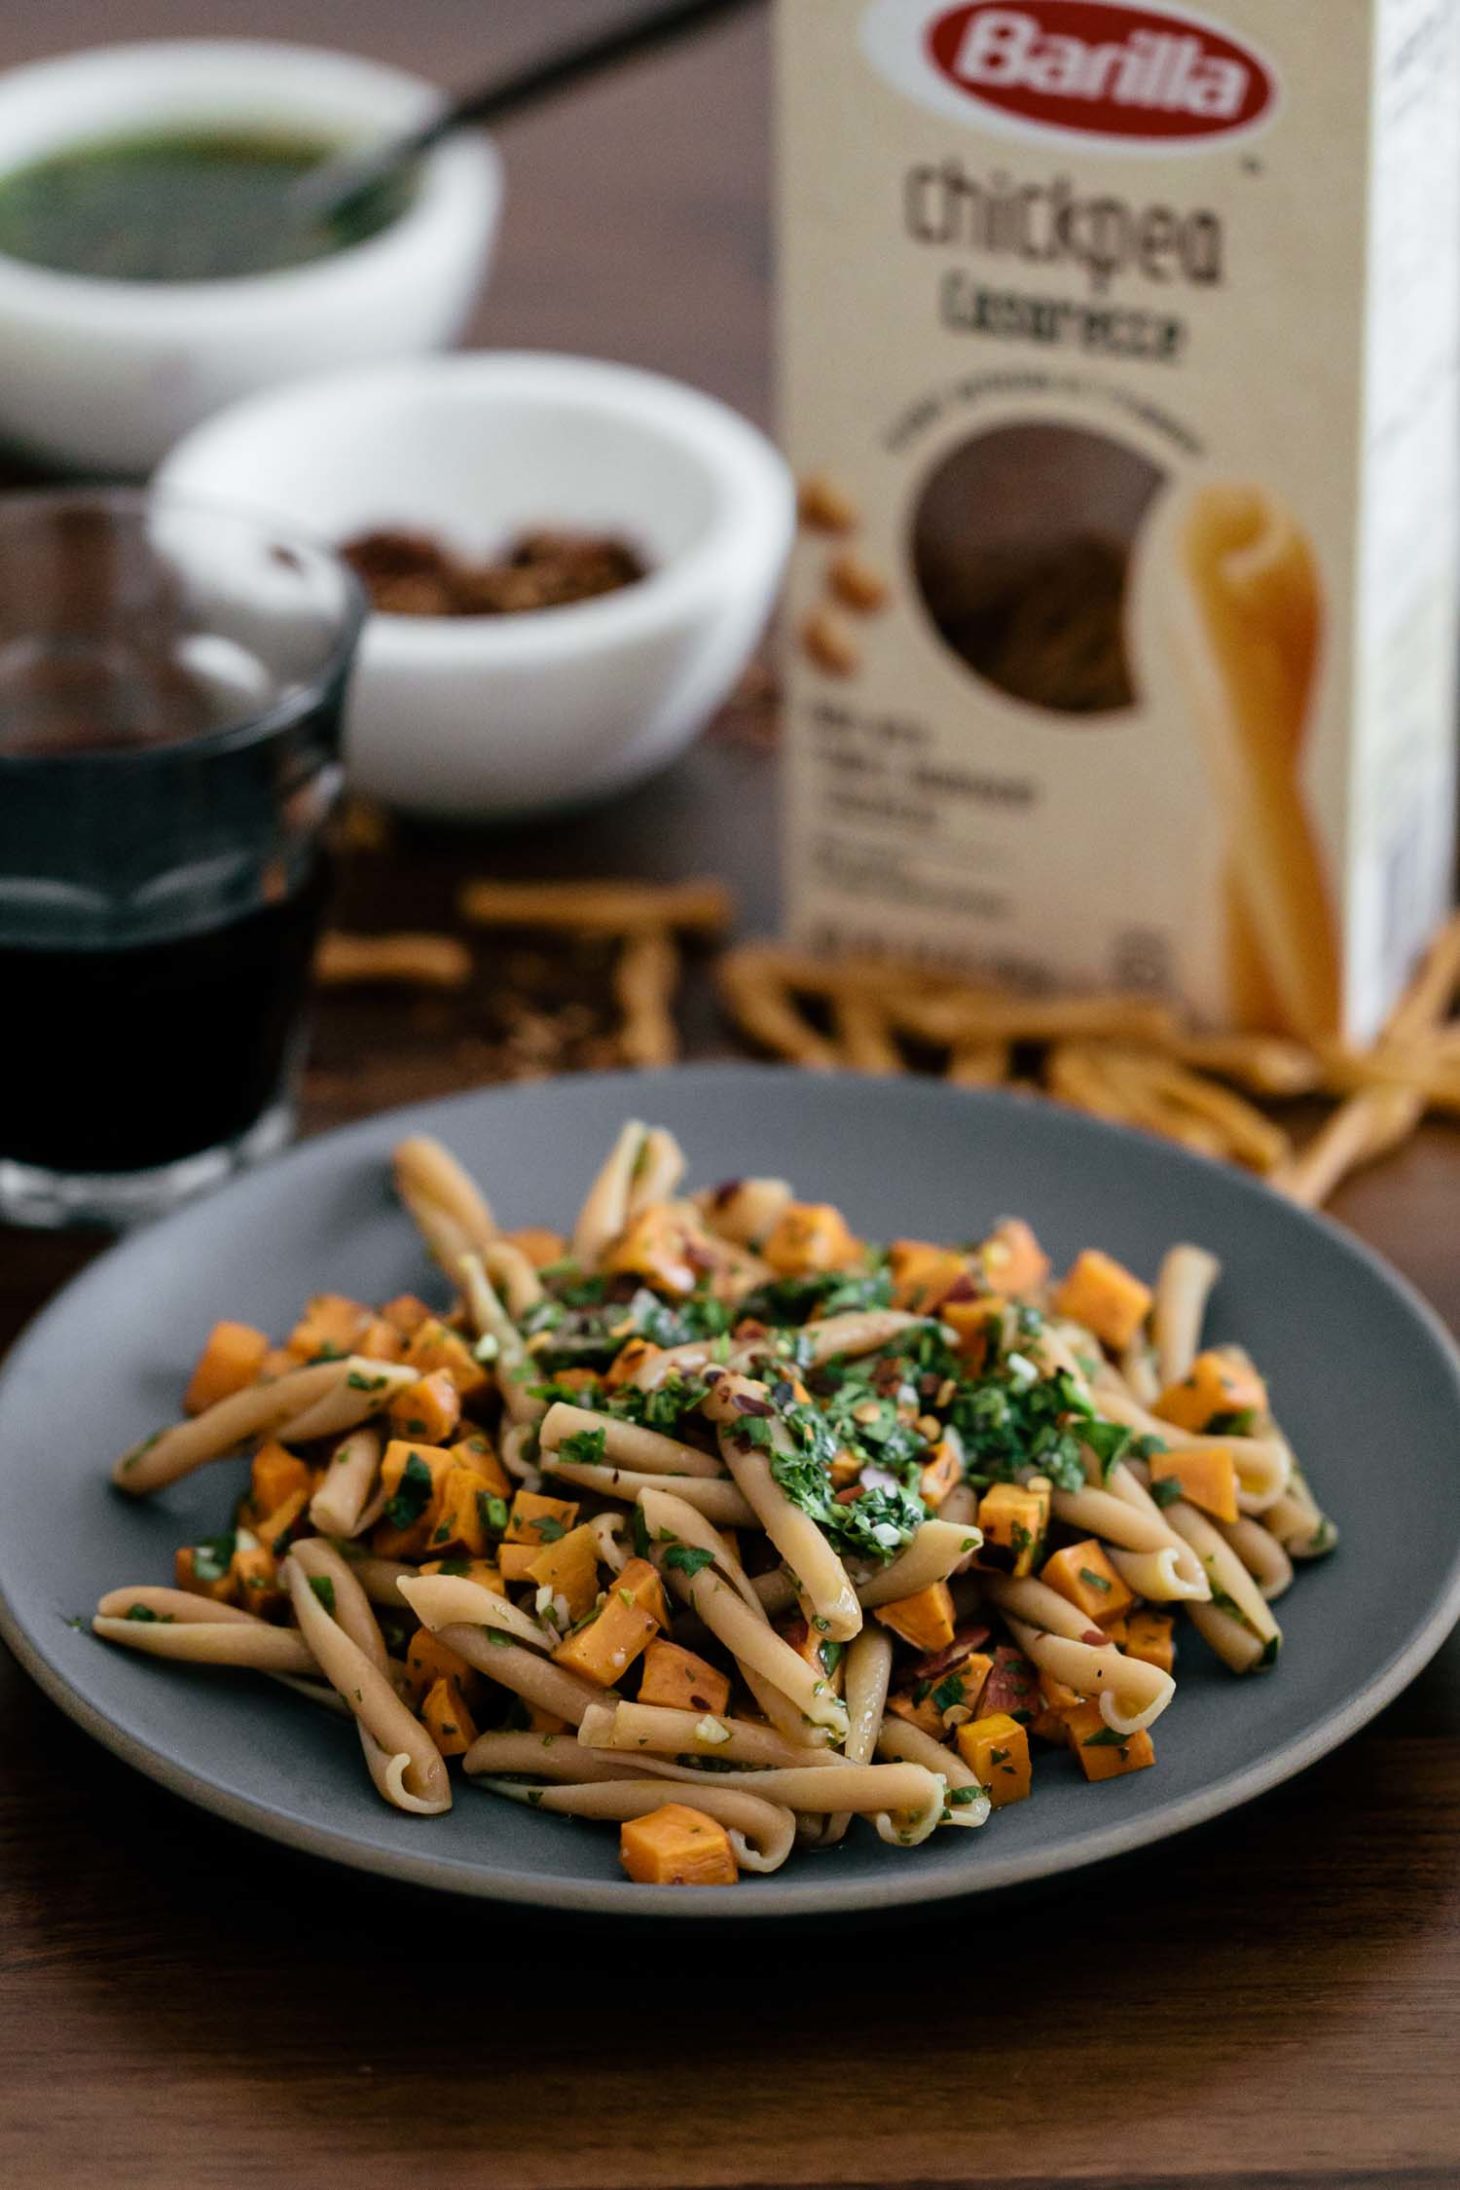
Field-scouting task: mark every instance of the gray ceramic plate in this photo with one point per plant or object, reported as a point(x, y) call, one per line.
point(1363, 1376)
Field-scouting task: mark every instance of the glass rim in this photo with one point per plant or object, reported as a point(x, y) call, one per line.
point(256, 728)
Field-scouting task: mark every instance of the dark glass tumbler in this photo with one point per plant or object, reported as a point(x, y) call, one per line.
point(171, 683)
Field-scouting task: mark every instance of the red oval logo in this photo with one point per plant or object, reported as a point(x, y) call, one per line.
point(1095, 68)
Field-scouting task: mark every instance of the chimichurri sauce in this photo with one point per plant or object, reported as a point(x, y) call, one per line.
point(187, 205)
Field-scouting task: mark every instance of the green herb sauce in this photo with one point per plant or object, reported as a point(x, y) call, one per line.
point(191, 204)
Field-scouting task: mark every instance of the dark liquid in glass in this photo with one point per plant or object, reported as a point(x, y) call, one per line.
point(142, 1052)
point(153, 1051)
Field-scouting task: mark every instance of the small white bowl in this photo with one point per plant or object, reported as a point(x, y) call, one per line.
point(475, 717)
point(107, 374)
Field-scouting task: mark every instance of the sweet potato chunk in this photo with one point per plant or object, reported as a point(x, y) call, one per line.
point(624, 1625)
point(677, 1846)
point(1014, 1519)
point(434, 1345)
point(537, 1520)
point(942, 1470)
point(429, 1409)
point(231, 1359)
point(429, 1660)
point(446, 1718)
point(1207, 1476)
point(1082, 1573)
point(540, 1246)
point(1151, 1636)
point(274, 1475)
point(476, 1452)
point(569, 1568)
point(922, 1273)
point(1107, 1298)
point(1012, 1260)
point(1214, 1390)
point(680, 1681)
point(1103, 1753)
point(480, 1571)
point(412, 1477)
point(996, 1751)
point(809, 1237)
point(329, 1327)
point(925, 1619)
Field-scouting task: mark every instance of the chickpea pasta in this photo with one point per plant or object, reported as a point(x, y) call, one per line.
point(717, 1523)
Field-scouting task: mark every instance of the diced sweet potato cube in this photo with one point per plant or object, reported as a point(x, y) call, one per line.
point(1107, 1298)
point(329, 1327)
point(540, 1245)
point(514, 1560)
point(428, 1660)
point(463, 1522)
point(925, 1619)
point(255, 1574)
point(277, 1530)
point(1012, 1261)
point(429, 1409)
point(406, 1314)
point(480, 1571)
point(677, 1846)
point(640, 1584)
point(680, 1681)
point(1216, 1388)
point(624, 1625)
point(1059, 1700)
point(978, 1323)
point(206, 1570)
point(996, 1751)
point(569, 1568)
point(230, 1360)
point(941, 1471)
point(476, 1451)
point(808, 1237)
point(1151, 1637)
point(433, 1346)
point(1103, 1753)
point(630, 1358)
point(275, 1474)
point(657, 1245)
point(1014, 1519)
point(447, 1719)
point(278, 1361)
point(1082, 1573)
point(412, 1477)
point(538, 1520)
point(922, 1273)
point(380, 1341)
point(1207, 1476)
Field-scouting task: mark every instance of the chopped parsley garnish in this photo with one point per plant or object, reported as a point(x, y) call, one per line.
point(1095, 1581)
point(413, 1494)
point(949, 1693)
point(547, 1528)
point(1236, 1422)
point(492, 1512)
point(324, 1589)
point(1166, 1490)
point(1107, 1738)
point(587, 1446)
point(145, 1612)
point(688, 1559)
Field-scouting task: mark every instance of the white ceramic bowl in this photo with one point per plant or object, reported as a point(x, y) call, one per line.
point(107, 374)
point(486, 716)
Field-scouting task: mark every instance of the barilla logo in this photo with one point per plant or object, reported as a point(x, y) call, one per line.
point(1133, 78)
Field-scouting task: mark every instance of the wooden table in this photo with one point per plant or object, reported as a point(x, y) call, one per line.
point(1267, 2004)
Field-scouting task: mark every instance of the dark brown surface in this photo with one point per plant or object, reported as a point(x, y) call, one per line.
point(1269, 2005)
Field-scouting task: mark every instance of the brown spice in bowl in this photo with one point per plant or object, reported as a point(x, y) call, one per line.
point(414, 574)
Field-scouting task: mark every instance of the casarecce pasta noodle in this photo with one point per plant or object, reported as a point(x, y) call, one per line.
point(712, 1521)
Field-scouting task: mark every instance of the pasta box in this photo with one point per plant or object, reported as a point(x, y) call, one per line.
point(1120, 374)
